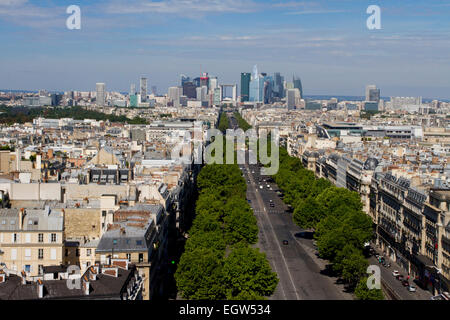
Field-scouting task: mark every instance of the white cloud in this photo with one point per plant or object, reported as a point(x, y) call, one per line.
point(181, 7)
point(12, 2)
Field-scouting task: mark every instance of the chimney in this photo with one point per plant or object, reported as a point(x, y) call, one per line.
point(40, 287)
point(2, 276)
point(92, 274)
point(96, 268)
point(24, 277)
point(38, 161)
point(85, 285)
point(121, 263)
point(21, 216)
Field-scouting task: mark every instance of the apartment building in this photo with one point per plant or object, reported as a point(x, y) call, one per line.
point(31, 239)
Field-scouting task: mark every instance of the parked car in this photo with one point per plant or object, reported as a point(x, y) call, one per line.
point(405, 283)
point(272, 205)
point(400, 277)
point(411, 288)
point(285, 242)
point(395, 273)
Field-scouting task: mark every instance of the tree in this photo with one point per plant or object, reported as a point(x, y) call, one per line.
point(209, 239)
point(240, 225)
point(199, 275)
point(306, 213)
point(247, 274)
point(350, 264)
point(362, 292)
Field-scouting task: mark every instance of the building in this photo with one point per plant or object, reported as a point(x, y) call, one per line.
point(174, 95)
point(189, 90)
point(101, 94)
point(256, 86)
point(372, 93)
point(298, 85)
point(143, 89)
point(31, 239)
point(245, 86)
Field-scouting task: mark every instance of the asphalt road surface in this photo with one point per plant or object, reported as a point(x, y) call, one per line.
point(300, 276)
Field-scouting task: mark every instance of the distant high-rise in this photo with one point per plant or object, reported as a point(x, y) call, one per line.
point(298, 85)
point(278, 90)
point(189, 90)
point(174, 95)
point(183, 79)
point(245, 86)
point(154, 90)
point(213, 83)
point(132, 89)
point(204, 80)
point(372, 93)
point(143, 90)
point(292, 98)
point(101, 94)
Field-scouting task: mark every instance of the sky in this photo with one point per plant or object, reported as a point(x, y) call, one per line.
point(326, 43)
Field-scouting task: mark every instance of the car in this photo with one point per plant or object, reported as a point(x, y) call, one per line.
point(260, 187)
point(395, 273)
point(411, 288)
point(285, 242)
point(249, 201)
point(405, 283)
point(272, 205)
point(400, 277)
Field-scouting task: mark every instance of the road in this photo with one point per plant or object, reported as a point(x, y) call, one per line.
point(400, 292)
point(300, 276)
point(297, 267)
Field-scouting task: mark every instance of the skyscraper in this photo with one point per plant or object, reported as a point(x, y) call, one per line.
point(189, 90)
point(175, 94)
point(278, 90)
point(132, 89)
point(298, 85)
point(101, 94)
point(372, 93)
point(143, 90)
point(184, 79)
point(245, 86)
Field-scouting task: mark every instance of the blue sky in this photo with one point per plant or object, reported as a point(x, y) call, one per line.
point(326, 43)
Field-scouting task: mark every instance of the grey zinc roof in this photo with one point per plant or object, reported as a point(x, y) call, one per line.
point(34, 220)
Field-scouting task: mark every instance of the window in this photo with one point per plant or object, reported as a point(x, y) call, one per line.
point(77, 252)
point(53, 254)
point(41, 237)
point(40, 254)
point(88, 252)
point(27, 238)
point(129, 256)
point(27, 268)
point(13, 254)
point(28, 253)
point(141, 257)
point(13, 222)
point(40, 269)
point(53, 237)
point(88, 264)
point(103, 213)
point(67, 253)
point(14, 240)
point(3, 221)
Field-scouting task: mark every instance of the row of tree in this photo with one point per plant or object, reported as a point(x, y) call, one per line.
point(223, 122)
point(10, 115)
point(219, 261)
point(340, 226)
point(241, 122)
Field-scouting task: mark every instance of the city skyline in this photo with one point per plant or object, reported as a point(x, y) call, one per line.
point(323, 42)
